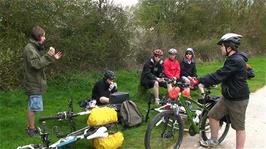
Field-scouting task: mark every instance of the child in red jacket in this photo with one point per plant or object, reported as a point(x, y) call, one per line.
point(171, 65)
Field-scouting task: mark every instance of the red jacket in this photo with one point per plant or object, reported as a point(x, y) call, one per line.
point(171, 68)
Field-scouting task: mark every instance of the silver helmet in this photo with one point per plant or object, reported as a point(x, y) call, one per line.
point(230, 38)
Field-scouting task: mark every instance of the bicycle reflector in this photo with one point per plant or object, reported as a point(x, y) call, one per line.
point(173, 93)
point(168, 107)
point(186, 92)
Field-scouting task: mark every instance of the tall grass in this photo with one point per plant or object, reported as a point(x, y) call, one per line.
point(13, 104)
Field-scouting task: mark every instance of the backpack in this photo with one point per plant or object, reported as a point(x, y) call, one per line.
point(130, 114)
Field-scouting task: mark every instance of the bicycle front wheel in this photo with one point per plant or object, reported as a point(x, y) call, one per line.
point(165, 131)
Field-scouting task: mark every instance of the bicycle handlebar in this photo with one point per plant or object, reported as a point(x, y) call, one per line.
point(176, 82)
point(64, 115)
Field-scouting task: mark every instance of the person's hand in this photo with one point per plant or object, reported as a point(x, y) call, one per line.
point(58, 55)
point(194, 82)
point(160, 79)
point(51, 51)
point(112, 86)
point(115, 85)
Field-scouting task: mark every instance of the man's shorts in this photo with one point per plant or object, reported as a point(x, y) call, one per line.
point(235, 109)
point(150, 83)
point(35, 103)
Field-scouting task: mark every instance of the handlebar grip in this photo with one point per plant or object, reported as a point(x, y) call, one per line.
point(57, 117)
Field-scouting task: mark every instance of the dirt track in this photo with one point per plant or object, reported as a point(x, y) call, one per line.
point(255, 126)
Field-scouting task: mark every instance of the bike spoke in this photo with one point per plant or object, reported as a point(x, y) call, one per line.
point(165, 135)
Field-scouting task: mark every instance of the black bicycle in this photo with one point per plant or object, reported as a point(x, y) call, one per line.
point(166, 128)
point(70, 114)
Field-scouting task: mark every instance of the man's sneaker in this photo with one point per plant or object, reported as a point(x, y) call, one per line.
point(32, 132)
point(157, 101)
point(209, 143)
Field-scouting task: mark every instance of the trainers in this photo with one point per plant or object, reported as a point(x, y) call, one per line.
point(157, 101)
point(32, 132)
point(209, 143)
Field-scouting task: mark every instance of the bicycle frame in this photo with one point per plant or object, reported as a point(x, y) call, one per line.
point(190, 114)
point(71, 138)
point(181, 101)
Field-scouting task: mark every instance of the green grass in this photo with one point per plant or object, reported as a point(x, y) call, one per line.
point(13, 104)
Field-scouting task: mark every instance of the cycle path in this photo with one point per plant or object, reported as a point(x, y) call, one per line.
point(255, 126)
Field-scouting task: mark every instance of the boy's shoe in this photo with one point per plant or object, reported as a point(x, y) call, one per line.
point(157, 101)
point(209, 143)
point(32, 132)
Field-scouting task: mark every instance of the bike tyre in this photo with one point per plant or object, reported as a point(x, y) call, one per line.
point(203, 133)
point(158, 118)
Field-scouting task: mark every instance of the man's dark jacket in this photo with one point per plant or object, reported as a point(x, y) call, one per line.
point(101, 88)
point(35, 61)
point(233, 76)
point(188, 69)
point(151, 70)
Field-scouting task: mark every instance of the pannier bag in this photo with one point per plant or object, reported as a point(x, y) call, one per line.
point(130, 114)
point(113, 141)
point(101, 116)
point(173, 93)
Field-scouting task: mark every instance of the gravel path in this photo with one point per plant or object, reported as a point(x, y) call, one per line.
point(255, 126)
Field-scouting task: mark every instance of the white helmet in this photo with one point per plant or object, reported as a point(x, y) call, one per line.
point(172, 51)
point(190, 49)
point(230, 37)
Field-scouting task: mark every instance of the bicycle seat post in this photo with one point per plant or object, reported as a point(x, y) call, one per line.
point(70, 105)
point(44, 134)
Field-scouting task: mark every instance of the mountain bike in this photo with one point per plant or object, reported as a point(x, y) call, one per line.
point(84, 133)
point(166, 129)
point(70, 114)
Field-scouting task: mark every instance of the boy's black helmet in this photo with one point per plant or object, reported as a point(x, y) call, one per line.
point(108, 74)
point(230, 38)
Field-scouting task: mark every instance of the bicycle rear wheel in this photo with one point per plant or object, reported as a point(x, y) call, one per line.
point(165, 131)
point(205, 126)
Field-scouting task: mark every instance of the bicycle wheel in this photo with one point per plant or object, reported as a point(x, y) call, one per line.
point(164, 131)
point(205, 126)
point(32, 146)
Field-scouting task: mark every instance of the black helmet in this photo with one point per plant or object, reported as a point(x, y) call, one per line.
point(108, 74)
point(230, 38)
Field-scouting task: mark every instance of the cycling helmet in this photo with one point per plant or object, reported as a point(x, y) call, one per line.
point(158, 52)
point(172, 51)
point(108, 74)
point(190, 50)
point(230, 38)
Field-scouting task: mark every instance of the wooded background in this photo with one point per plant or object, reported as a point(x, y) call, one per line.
point(96, 34)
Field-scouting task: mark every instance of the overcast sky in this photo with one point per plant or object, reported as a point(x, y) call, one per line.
point(126, 2)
